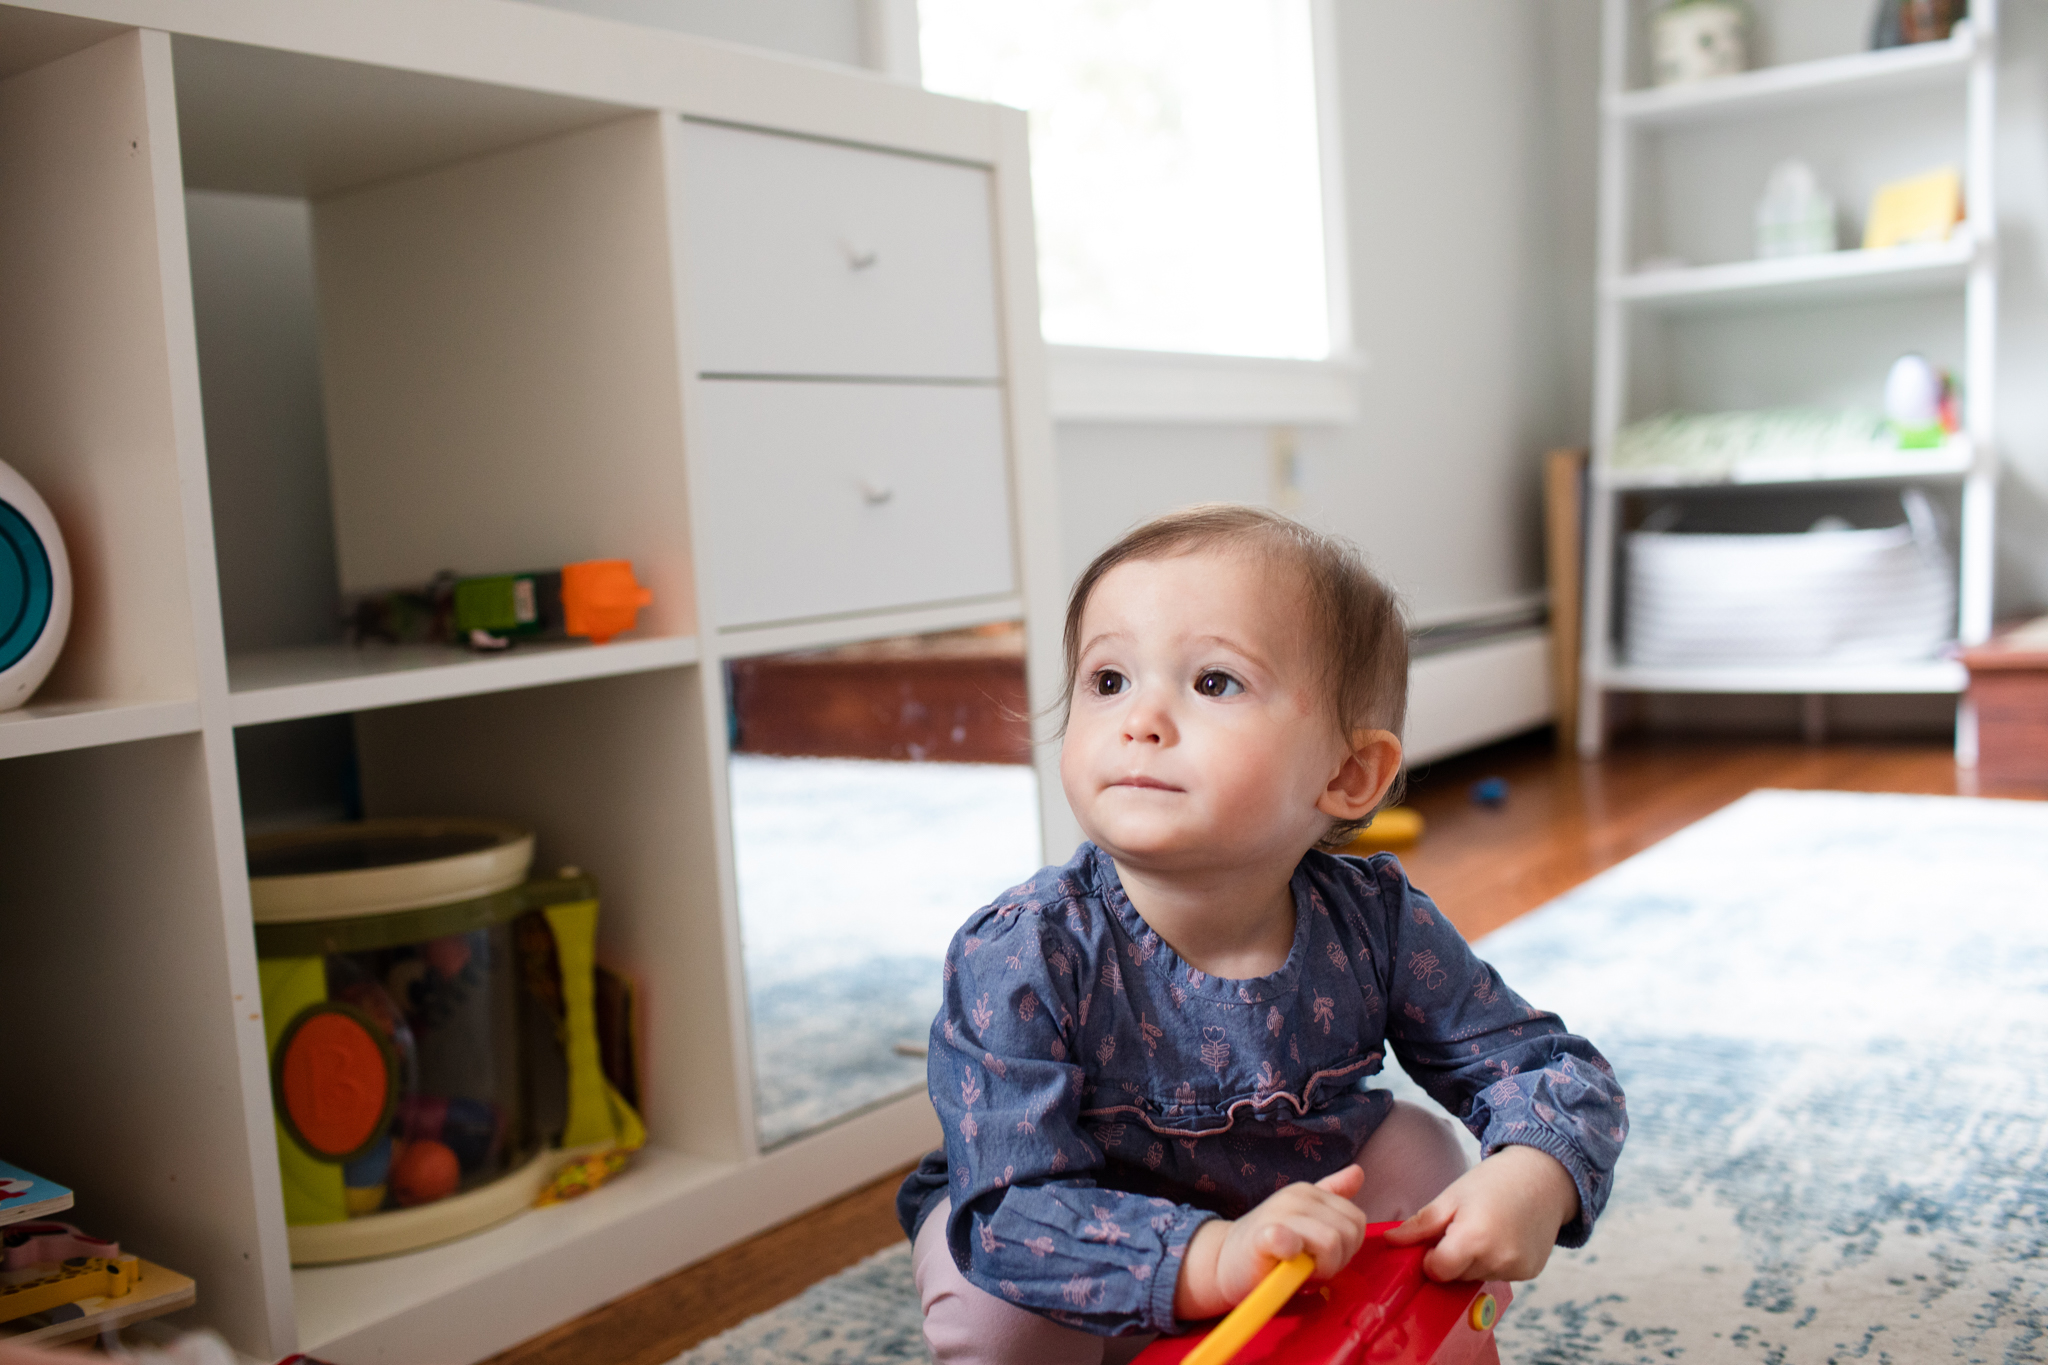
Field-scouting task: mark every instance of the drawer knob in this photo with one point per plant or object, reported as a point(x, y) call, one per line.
point(859, 258)
point(875, 494)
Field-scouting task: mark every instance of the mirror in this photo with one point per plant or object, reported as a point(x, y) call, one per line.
point(881, 793)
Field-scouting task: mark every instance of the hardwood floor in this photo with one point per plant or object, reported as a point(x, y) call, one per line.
point(1562, 822)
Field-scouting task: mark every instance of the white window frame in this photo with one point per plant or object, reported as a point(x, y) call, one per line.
point(1113, 384)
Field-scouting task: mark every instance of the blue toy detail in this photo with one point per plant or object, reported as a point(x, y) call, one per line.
point(1490, 791)
point(26, 586)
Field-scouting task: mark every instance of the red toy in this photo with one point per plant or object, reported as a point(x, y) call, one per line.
point(424, 1172)
point(1379, 1310)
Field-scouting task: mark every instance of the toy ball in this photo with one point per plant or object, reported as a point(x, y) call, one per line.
point(1490, 791)
point(35, 590)
point(424, 1172)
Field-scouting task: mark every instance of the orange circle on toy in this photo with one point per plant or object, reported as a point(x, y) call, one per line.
point(425, 1171)
point(335, 1083)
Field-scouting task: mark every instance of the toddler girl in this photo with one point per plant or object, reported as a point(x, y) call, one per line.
point(1151, 1064)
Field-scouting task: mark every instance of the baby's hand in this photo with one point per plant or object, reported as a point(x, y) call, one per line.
point(1498, 1221)
point(1226, 1259)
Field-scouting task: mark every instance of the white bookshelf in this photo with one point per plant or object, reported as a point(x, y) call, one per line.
point(1688, 320)
point(505, 223)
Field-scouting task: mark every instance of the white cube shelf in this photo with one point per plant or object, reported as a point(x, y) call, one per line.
point(500, 221)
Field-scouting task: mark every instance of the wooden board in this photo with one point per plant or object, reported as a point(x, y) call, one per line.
point(157, 1291)
point(1564, 550)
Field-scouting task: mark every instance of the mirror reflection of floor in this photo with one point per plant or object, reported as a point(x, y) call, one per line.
point(853, 875)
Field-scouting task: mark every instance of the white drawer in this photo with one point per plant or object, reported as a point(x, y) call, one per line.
point(824, 499)
point(809, 258)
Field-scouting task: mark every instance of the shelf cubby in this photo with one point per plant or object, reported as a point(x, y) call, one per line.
point(612, 774)
point(123, 1005)
point(91, 411)
point(1811, 355)
point(1699, 184)
point(459, 363)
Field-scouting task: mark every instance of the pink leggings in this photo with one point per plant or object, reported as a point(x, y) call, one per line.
point(1407, 1161)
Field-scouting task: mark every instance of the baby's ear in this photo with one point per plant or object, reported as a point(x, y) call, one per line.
point(1362, 781)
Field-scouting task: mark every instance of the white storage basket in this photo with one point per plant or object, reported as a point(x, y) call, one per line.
point(1824, 596)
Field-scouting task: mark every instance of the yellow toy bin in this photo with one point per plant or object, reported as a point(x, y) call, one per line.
point(432, 1033)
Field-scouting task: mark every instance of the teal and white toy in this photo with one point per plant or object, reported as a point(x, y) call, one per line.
point(35, 590)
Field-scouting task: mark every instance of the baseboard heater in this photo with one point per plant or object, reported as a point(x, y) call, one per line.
point(1476, 680)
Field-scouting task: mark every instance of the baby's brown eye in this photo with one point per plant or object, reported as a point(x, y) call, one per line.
point(1109, 682)
point(1216, 683)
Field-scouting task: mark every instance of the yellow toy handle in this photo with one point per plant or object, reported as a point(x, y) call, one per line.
point(1244, 1321)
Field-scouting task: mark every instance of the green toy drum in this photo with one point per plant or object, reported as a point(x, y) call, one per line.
point(432, 1036)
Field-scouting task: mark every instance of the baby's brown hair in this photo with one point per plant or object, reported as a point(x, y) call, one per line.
point(1359, 632)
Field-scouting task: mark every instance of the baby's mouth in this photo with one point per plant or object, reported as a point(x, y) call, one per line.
point(1146, 783)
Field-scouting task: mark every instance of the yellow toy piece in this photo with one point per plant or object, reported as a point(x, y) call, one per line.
point(1925, 208)
point(1393, 828)
point(40, 1288)
point(583, 1175)
point(1254, 1311)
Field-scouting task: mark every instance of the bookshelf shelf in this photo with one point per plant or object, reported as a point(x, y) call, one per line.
point(1775, 89)
point(325, 680)
point(1836, 276)
point(51, 727)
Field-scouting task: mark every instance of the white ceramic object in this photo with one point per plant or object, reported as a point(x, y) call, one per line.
point(35, 590)
point(1912, 393)
point(1795, 217)
point(1698, 40)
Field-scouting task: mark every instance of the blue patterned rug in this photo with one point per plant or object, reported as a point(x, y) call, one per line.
point(1831, 1014)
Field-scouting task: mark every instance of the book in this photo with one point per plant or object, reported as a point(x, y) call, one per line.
point(1925, 208)
point(28, 1196)
point(157, 1291)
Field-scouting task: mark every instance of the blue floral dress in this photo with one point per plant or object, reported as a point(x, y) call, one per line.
point(1101, 1098)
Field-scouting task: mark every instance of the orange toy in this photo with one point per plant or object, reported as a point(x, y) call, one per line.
point(424, 1172)
point(601, 598)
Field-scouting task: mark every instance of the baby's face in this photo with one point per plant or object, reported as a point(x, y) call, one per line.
point(1198, 736)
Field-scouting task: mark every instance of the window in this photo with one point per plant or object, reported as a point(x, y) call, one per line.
point(1175, 164)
